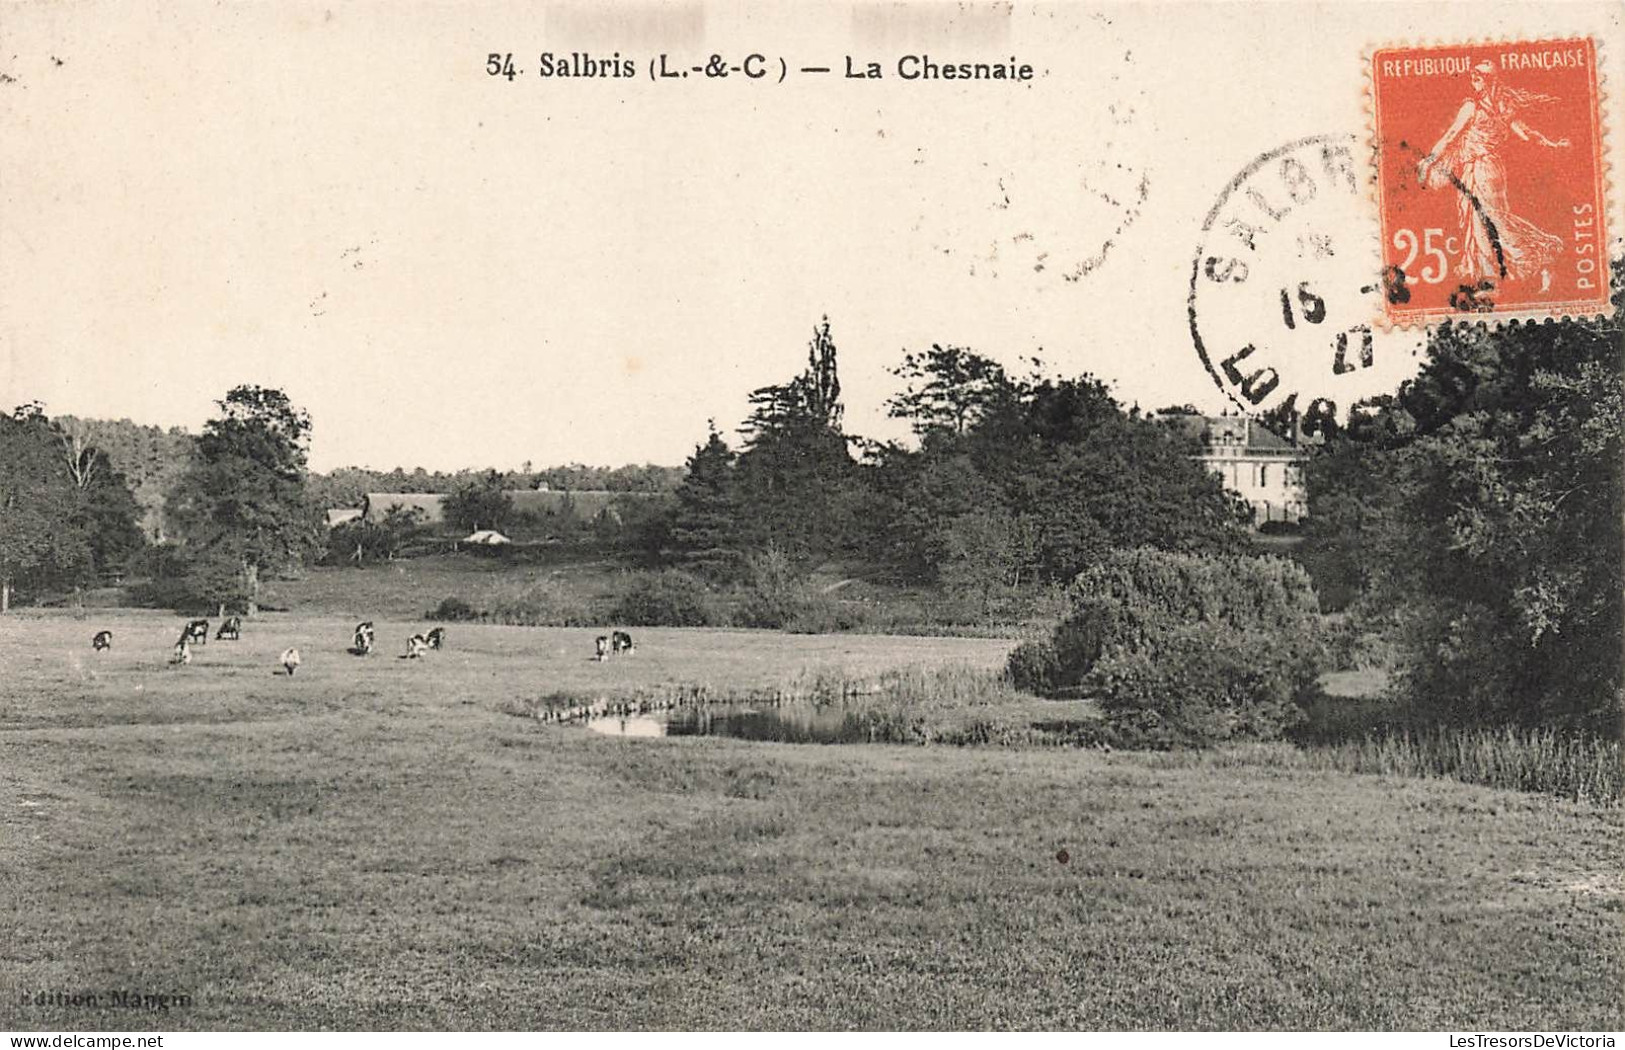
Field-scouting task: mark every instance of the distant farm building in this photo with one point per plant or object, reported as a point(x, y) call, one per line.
point(486, 538)
point(1254, 463)
point(587, 505)
point(375, 506)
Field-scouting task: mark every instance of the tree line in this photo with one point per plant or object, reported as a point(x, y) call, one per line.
point(345, 486)
point(204, 517)
point(1011, 482)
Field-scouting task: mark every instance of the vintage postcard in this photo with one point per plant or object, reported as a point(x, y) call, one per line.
point(696, 515)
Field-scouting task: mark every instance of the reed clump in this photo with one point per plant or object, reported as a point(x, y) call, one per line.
point(1570, 764)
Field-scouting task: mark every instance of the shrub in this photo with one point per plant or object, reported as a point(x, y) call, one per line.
point(800, 611)
point(822, 614)
point(667, 599)
point(1034, 666)
point(773, 593)
point(1182, 649)
point(189, 584)
point(776, 596)
point(539, 603)
point(452, 610)
point(1201, 685)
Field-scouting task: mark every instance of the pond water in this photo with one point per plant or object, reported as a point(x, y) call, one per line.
point(791, 724)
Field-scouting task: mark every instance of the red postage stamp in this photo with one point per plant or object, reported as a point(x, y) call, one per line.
point(1490, 180)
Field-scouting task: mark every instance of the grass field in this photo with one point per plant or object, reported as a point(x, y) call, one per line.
point(568, 588)
point(405, 589)
point(376, 843)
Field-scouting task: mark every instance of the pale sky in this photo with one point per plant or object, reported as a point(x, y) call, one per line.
point(453, 270)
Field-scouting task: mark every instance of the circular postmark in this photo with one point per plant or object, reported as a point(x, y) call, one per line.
point(1285, 283)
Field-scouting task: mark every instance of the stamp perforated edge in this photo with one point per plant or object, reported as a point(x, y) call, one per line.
point(1611, 205)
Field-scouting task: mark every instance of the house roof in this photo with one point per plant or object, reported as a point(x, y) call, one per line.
point(579, 504)
point(378, 504)
point(1234, 435)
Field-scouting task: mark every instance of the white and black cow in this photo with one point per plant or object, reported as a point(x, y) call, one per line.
point(416, 646)
point(231, 629)
point(196, 631)
point(602, 646)
point(362, 644)
point(103, 640)
point(621, 642)
point(183, 652)
point(436, 638)
point(290, 660)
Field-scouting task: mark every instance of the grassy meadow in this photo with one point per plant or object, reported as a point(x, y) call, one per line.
point(382, 843)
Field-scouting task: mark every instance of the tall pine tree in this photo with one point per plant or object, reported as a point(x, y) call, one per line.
point(797, 482)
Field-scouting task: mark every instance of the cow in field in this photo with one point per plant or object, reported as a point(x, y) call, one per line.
point(621, 642)
point(231, 629)
point(183, 652)
point(362, 645)
point(602, 645)
point(290, 660)
point(436, 638)
point(416, 646)
point(196, 631)
point(103, 640)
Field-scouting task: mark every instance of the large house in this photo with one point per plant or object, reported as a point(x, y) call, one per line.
point(1254, 463)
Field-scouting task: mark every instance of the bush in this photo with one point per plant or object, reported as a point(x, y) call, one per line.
point(800, 611)
point(773, 591)
point(667, 599)
point(543, 603)
point(1184, 650)
point(453, 610)
point(1035, 667)
point(822, 614)
point(187, 584)
point(776, 596)
point(1201, 685)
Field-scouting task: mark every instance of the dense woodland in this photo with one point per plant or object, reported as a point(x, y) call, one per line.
point(1472, 521)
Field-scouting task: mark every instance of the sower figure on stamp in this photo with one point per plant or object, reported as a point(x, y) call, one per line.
point(1495, 243)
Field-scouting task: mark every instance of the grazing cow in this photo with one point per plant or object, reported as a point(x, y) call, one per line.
point(231, 629)
point(363, 638)
point(436, 638)
point(621, 642)
point(603, 648)
point(290, 660)
point(103, 640)
point(196, 631)
point(416, 646)
point(183, 652)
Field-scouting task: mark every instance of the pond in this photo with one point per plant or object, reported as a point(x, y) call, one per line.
point(790, 724)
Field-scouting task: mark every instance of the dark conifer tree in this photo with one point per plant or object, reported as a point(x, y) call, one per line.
point(704, 532)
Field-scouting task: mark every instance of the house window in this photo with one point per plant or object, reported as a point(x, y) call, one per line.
point(1264, 474)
